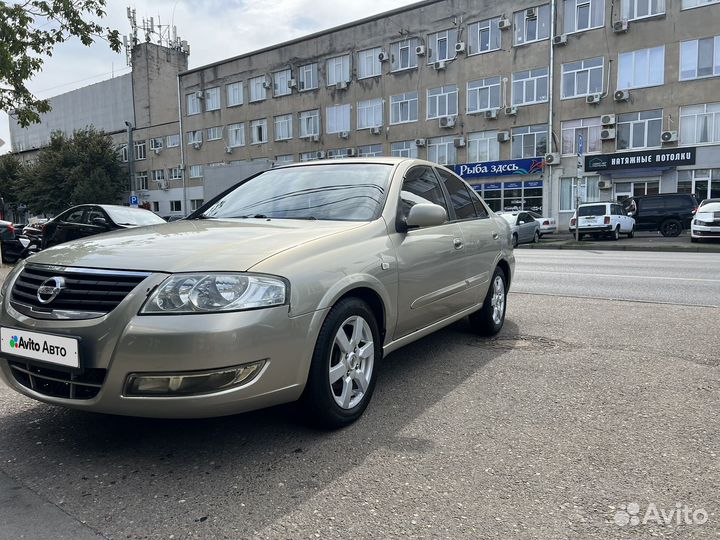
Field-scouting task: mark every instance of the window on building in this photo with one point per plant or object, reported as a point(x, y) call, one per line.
point(176, 206)
point(369, 64)
point(155, 206)
point(513, 196)
point(704, 183)
point(308, 75)
point(123, 150)
point(141, 180)
point(338, 69)
point(406, 149)
point(700, 124)
point(156, 143)
point(484, 36)
point(193, 103)
point(588, 129)
point(529, 141)
point(158, 176)
point(639, 69)
point(284, 159)
point(310, 123)
point(258, 90)
point(532, 24)
point(176, 173)
point(234, 93)
point(172, 141)
point(442, 101)
point(584, 15)
point(338, 153)
point(688, 4)
point(442, 150)
point(337, 118)
point(700, 58)
point(196, 171)
point(404, 108)
point(639, 130)
point(309, 156)
point(483, 146)
point(441, 45)
point(589, 191)
point(212, 99)
point(639, 9)
point(195, 204)
point(258, 131)
point(582, 78)
point(403, 55)
point(530, 87)
point(214, 133)
point(370, 113)
point(281, 82)
point(140, 150)
point(236, 135)
point(373, 150)
point(195, 136)
point(483, 95)
point(283, 127)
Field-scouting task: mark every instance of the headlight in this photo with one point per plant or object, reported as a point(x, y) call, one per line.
point(700, 222)
point(210, 293)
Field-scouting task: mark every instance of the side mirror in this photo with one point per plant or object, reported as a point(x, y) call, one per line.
point(426, 215)
point(100, 222)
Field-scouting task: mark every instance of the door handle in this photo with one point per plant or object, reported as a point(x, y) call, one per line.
point(495, 236)
point(457, 243)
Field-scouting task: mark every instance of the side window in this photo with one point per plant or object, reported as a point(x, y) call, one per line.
point(652, 203)
point(459, 195)
point(74, 216)
point(420, 186)
point(480, 208)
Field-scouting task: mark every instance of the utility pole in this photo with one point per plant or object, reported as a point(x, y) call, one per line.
point(580, 168)
point(131, 158)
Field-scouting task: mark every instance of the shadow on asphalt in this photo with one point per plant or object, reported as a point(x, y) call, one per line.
point(269, 460)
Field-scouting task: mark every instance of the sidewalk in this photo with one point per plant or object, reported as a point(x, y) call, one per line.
point(643, 241)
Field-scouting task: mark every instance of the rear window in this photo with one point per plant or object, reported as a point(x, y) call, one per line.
point(594, 210)
point(679, 201)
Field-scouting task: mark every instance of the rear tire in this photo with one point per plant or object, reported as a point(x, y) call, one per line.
point(536, 238)
point(670, 228)
point(631, 234)
point(616, 233)
point(491, 317)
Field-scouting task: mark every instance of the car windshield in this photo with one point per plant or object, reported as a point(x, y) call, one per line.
point(333, 192)
point(594, 210)
point(132, 216)
point(710, 207)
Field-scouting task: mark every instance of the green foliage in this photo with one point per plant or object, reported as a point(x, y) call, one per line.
point(29, 31)
point(12, 173)
point(82, 169)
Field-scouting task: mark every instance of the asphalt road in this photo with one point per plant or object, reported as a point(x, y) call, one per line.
point(584, 403)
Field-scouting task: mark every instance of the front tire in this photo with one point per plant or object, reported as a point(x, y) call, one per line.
point(342, 378)
point(631, 234)
point(491, 317)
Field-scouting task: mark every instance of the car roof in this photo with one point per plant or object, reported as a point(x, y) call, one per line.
point(113, 206)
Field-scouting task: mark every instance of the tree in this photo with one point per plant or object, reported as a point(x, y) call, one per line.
point(29, 31)
point(12, 172)
point(84, 168)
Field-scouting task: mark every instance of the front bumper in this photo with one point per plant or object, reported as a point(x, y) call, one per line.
point(122, 343)
point(704, 231)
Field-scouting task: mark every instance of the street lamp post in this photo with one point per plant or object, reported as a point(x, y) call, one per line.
point(131, 157)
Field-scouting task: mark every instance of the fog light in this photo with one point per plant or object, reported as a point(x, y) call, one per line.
point(191, 383)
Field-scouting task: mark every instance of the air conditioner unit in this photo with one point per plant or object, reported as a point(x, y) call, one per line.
point(342, 85)
point(621, 26)
point(314, 138)
point(447, 122)
point(607, 134)
point(197, 145)
point(383, 56)
point(621, 95)
point(375, 130)
point(292, 83)
point(669, 136)
point(267, 85)
point(351, 152)
point(420, 142)
point(459, 142)
point(605, 184)
point(491, 114)
point(460, 47)
point(320, 154)
point(344, 134)
point(562, 39)
point(531, 13)
point(200, 94)
point(552, 158)
point(163, 185)
point(420, 50)
point(228, 150)
point(157, 151)
point(511, 111)
point(607, 119)
point(504, 24)
point(503, 136)
point(593, 99)
point(440, 65)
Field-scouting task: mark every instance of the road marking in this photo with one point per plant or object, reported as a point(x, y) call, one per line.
point(611, 299)
point(624, 276)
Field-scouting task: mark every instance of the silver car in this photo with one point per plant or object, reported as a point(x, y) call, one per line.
point(292, 286)
point(524, 227)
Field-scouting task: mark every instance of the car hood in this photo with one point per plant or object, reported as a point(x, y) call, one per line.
point(191, 245)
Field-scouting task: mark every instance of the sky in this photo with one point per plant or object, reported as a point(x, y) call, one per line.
point(215, 29)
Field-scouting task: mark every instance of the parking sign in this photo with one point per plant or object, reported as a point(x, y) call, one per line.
point(134, 201)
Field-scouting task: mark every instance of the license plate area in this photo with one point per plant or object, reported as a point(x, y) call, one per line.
point(49, 348)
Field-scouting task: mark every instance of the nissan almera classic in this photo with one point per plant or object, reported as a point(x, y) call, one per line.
point(290, 286)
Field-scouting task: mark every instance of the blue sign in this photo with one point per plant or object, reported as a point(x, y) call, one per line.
point(513, 185)
point(493, 186)
point(133, 200)
point(534, 184)
point(500, 168)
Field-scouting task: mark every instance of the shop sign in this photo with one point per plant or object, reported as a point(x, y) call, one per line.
point(646, 159)
point(500, 168)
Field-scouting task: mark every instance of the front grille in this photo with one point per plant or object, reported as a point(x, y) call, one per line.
point(86, 290)
point(84, 384)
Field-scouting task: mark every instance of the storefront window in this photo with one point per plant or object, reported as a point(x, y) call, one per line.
point(704, 183)
point(513, 196)
point(589, 191)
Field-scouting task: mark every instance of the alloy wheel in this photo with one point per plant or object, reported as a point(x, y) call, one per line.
point(498, 300)
point(352, 358)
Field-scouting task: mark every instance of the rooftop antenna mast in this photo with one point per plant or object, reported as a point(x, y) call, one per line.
point(164, 35)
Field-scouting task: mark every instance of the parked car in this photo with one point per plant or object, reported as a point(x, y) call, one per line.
point(602, 219)
point(524, 227)
point(11, 245)
point(548, 225)
point(290, 286)
point(34, 228)
point(89, 219)
point(669, 213)
point(706, 224)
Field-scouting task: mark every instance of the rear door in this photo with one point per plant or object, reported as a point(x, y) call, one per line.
point(592, 215)
point(526, 227)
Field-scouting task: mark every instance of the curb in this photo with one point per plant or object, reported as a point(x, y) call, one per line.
point(615, 247)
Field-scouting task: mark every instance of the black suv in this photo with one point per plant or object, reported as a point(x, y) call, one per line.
point(668, 213)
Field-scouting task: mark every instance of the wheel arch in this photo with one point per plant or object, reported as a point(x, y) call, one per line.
point(505, 267)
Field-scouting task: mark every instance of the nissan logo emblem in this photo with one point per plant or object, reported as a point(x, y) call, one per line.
point(49, 289)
